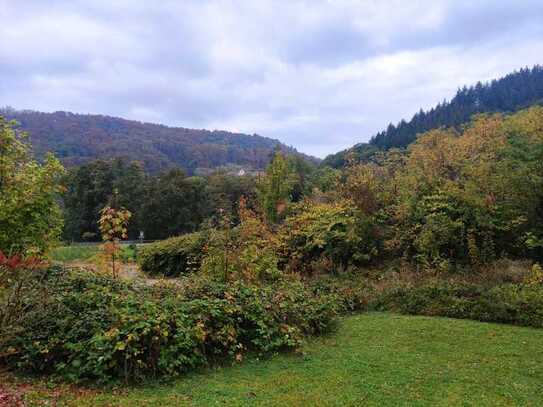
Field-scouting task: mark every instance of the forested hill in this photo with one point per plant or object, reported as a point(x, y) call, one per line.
point(76, 139)
point(508, 94)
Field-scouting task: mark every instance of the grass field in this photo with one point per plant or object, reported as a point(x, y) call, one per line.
point(374, 359)
point(74, 253)
point(66, 254)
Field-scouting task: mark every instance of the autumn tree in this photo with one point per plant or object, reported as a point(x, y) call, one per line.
point(113, 225)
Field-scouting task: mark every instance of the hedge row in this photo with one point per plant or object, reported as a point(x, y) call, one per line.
point(516, 304)
point(174, 256)
point(83, 326)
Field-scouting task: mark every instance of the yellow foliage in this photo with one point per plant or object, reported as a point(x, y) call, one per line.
point(536, 276)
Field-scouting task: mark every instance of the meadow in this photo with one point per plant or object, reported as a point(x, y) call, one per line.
point(71, 253)
point(81, 253)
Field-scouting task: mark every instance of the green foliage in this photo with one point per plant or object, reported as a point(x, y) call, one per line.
point(246, 252)
point(163, 205)
point(374, 359)
point(17, 276)
point(508, 303)
point(92, 327)
point(30, 217)
point(225, 192)
point(275, 188)
point(353, 291)
point(362, 152)
point(490, 299)
point(91, 187)
point(324, 179)
point(458, 198)
point(174, 256)
point(226, 253)
point(302, 177)
point(440, 235)
point(218, 253)
point(533, 242)
point(174, 204)
point(334, 233)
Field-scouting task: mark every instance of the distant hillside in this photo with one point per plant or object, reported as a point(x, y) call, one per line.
point(76, 139)
point(508, 94)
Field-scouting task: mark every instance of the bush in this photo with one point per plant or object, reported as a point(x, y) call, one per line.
point(481, 298)
point(246, 252)
point(327, 233)
point(516, 304)
point(536, 275)
point(352, 292)
point(174, 256)
point(84, 326)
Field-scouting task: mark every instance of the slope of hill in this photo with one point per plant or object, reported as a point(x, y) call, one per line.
point(508, 94)
point(76, 139)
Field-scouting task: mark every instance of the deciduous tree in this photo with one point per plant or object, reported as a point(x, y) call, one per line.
point(30, 216)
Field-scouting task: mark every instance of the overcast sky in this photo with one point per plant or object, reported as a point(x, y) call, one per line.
point(318, 75)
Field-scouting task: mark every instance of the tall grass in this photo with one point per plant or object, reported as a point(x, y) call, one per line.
point(74, 253)
point(87, 252)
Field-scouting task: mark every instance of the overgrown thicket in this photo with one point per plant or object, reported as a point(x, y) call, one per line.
point(505, 292)
point(447, 210)
point(452, 201)
point(84, 326)
point(459, 198)
point(508, 303)
point(326, 237)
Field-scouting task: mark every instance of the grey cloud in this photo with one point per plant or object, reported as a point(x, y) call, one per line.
point(329, 44)
point(320, 76)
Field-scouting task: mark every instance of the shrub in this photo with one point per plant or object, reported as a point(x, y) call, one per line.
point(246, 252)
point(173, 257)
point(481, 298)
point(335, 232)
point(85, 326)
point(516, 304)
point(536, 275)
point(17, 275)
point(352, 292)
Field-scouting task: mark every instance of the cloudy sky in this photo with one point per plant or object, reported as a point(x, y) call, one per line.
point(318, 75)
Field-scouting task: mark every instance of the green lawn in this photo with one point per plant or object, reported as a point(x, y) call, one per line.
point(66, 254)
point(373, 359)
point(74, 253)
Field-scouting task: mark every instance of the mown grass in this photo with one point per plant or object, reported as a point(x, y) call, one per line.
point(374, 359)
